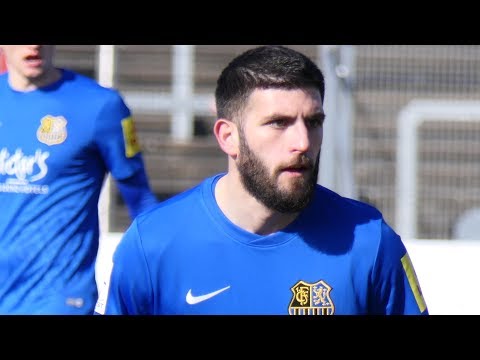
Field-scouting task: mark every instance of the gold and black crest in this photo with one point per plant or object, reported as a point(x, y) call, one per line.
point(52, 130)
point(311, 299)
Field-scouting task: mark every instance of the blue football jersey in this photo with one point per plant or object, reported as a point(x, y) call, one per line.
point(56, 145)
point(186, 257)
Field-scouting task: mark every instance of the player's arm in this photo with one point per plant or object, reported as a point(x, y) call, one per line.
point(136, 193)
point(396, 286)
point(118, 143)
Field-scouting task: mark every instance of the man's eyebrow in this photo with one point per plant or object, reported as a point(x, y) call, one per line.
point(278, 116)
point(281, 116)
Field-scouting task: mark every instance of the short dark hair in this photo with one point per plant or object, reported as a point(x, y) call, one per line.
point(264, 67)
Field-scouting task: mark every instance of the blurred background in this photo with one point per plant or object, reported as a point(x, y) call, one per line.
point(402, 133)
point(170, 91)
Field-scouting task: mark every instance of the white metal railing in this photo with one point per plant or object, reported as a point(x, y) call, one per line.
point(163, 103)
point(410, 118)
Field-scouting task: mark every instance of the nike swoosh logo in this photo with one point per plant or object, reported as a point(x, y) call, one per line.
point(192, 300)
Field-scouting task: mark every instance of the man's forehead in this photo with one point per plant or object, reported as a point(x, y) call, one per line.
point(285, 98)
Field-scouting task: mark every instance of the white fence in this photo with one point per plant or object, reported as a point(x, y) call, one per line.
point(411, 117)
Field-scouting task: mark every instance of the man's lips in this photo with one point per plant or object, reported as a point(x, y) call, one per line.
point(301, 165)
point(296, 169)
point(34, 61)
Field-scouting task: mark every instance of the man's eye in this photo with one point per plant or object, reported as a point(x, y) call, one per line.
point(278, 123)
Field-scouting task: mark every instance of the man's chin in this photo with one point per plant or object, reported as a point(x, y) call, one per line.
point(293, 186)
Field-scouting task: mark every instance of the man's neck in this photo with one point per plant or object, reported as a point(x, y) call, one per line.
point(22, 83)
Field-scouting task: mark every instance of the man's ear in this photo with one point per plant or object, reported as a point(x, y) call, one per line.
point(226, 133)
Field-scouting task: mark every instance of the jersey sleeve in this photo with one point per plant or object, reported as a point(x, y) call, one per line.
point(128, 290)
point(117, 140)
point(137, 193)
point(116, 137)
point(396, 287)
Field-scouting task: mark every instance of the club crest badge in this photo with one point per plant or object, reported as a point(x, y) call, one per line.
point(311, 299)
point(52, 130)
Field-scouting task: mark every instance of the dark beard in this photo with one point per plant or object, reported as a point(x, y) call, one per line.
point(255, 178)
